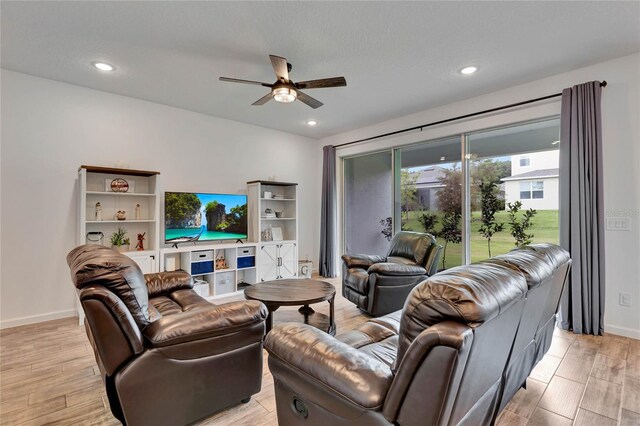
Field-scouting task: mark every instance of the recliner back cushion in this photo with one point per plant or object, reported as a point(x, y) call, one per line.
point(471, 295)
point(410, 245)
point(92, 264)
point(537, 262)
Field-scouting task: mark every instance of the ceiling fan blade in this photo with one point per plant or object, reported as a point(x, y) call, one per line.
point(322, 83)
point(263, 100)
point(237, 80)
point(280, 67)
point(313, 103)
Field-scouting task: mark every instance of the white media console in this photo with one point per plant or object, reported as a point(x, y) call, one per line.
point(203, 262)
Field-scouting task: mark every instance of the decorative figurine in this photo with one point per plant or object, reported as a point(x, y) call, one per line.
point(98, 211)
point(221, 263)
point(137, 212)
point(140, 245)
point(121, 215)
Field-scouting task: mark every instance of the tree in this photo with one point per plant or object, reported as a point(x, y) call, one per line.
point(450, 202)
point(484, 172)
point(490, 171)
point(489, 205)
point(450, 195)
point(181, 209)
point(520, 226)
point(450, 232)
point(428, 221)
point(237, 219)
point(408, 193)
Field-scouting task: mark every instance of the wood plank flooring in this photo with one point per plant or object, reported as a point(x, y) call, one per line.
point(48, 375)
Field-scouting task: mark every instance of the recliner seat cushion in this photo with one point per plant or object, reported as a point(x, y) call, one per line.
point(92, 264)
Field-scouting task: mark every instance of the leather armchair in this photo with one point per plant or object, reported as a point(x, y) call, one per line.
point(381, 284)
point(444, 359)
point(167, 356)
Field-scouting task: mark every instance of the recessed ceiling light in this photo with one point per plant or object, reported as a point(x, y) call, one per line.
point(312, 122)
point(468, 70)
point(103, 66)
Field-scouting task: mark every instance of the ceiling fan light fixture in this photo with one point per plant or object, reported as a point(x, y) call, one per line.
point(284, 94)
point(311, 122)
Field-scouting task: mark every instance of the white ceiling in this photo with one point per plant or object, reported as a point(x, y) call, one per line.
point(398, 57)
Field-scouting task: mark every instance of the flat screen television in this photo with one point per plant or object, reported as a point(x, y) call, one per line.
point(190, 216)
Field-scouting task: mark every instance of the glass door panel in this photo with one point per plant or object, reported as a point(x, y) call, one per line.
point(514, 176)
point(429, 194)
point(368, 203)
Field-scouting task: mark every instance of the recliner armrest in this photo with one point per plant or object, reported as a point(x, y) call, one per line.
point(167, 282)
point(204, 323)
point(361, 260)
point(396, 269)
point(355, 375)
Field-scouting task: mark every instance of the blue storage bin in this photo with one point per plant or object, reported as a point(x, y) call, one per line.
point(199, 268)
point(246, 262)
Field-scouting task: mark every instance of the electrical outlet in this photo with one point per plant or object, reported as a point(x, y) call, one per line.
point(625, 299)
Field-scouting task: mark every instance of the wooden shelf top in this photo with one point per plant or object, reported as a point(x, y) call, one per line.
point(272, 183)
point(116, 171)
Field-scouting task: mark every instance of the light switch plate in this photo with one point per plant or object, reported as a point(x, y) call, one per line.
point(618, 224)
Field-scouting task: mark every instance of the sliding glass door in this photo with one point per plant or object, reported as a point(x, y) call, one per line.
point(428, 189)
point(480, 194)
point(514, 197)
point(368, 201)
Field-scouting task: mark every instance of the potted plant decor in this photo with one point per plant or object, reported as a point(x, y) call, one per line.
point(120, 241)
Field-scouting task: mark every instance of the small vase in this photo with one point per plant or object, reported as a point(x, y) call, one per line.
point(121, 249)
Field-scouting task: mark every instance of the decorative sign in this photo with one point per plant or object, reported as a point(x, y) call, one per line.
point(119, 185)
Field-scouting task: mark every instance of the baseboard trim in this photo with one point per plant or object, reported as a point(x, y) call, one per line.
point(33, 319)
point(622, 331)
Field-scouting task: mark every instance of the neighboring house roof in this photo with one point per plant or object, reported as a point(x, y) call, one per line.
point(430, 177)
point(535, 174)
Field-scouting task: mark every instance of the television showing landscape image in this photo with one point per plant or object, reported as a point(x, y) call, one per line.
point(194, 217)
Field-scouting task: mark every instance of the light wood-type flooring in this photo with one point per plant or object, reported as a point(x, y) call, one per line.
point(48, 375)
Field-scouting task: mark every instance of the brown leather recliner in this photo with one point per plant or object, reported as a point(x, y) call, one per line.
point(443, 360)
point(167, 356)
point(380, 285)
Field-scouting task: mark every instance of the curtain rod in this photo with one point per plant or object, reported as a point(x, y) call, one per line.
point(460, 117)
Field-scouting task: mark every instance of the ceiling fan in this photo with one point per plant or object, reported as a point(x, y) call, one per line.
point(285, 90)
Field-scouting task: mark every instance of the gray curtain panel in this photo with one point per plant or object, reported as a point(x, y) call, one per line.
point(328, 215)
point(582, 208)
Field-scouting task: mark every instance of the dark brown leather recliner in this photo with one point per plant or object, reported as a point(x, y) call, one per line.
point(167, 356)
point(443, 360)
point(545, 267)
point(380, 285)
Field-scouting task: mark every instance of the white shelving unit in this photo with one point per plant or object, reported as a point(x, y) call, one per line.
point(200, 262)
point(144, 190)
point(278, 259)
point(94, 187)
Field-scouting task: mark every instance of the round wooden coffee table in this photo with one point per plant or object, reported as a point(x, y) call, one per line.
point(294, 293)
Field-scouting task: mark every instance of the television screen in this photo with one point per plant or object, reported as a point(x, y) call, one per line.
point(204, 217)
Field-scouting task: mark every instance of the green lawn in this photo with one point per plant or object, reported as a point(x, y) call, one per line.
point(544, 229)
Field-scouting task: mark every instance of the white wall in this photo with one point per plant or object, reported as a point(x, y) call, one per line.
point(51, 128)
point(537, 161)
point(621, 138)
point(550, 198)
